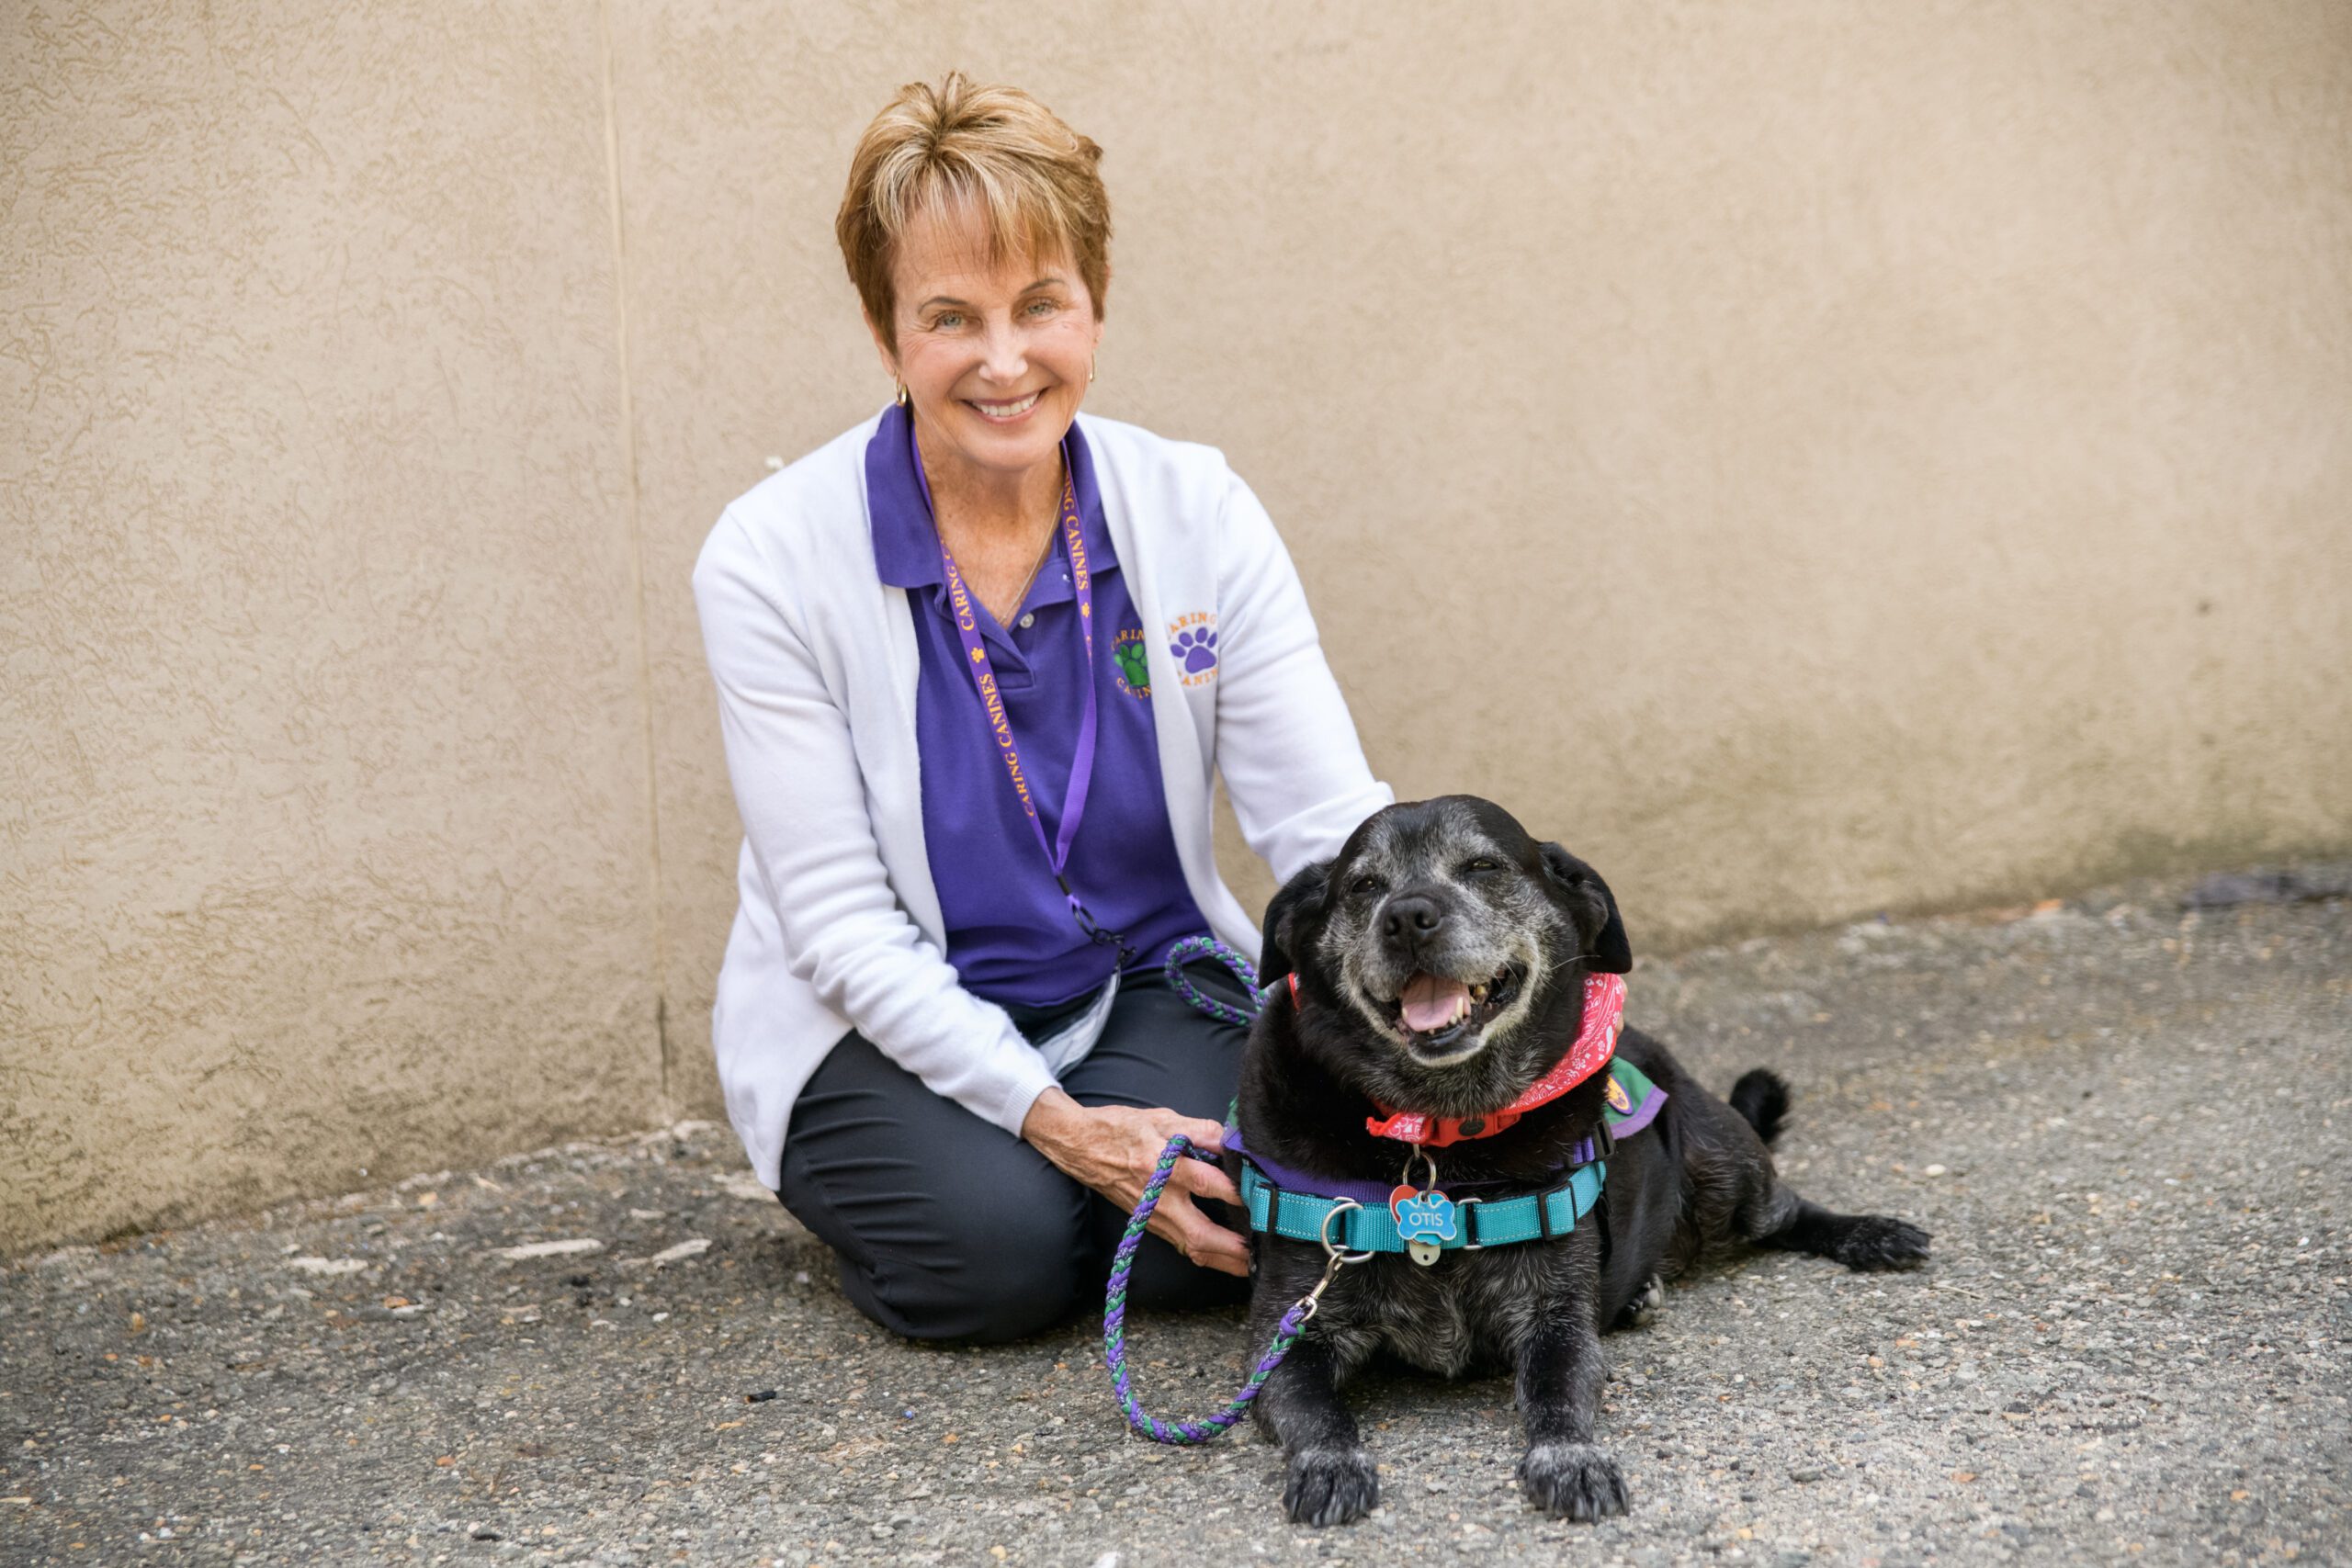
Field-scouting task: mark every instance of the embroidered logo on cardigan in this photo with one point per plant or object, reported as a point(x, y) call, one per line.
point(1193, 640)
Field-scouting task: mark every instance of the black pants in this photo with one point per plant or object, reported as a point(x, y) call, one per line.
point(947, 1227)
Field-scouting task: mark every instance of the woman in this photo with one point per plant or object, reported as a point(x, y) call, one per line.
point(976, 660)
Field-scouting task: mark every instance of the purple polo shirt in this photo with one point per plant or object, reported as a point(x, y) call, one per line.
point(1009, 932)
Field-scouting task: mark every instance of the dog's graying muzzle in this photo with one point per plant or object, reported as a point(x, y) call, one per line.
point(1410, 919)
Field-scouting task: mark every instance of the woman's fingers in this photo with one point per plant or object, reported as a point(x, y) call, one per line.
point(1201, 1239)
point(1204, 1180)
point(1176, 1222)
point(1226, 1253)
point(1209, 1135)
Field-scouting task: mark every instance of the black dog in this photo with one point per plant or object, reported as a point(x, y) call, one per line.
point(1438, 965)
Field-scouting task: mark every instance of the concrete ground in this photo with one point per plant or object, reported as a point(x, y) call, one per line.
point(2126, 1123)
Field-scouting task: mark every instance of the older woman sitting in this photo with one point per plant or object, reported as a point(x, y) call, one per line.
point(976, 659)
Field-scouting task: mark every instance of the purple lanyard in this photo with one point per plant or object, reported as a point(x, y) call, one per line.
point(975, 656)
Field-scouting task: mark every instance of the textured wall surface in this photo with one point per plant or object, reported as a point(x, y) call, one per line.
point(324, 825)
point(1811, 459)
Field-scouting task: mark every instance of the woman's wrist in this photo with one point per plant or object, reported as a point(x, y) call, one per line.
point(1051, 1118)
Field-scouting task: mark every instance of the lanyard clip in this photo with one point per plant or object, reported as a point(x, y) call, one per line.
point(1096, 932)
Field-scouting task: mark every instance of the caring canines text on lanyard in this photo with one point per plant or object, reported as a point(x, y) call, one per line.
point(1081, 772)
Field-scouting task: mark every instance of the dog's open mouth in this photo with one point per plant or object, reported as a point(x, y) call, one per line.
point(1436, 1012)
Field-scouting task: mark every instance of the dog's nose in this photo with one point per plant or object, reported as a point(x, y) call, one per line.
point(1410, 919)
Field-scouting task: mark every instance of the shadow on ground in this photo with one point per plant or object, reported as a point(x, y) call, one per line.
point(2126, 1122)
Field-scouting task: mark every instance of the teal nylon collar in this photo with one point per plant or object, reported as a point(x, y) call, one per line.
point(1486, 1221)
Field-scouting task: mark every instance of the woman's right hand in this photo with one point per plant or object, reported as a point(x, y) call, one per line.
point(1113, 1150)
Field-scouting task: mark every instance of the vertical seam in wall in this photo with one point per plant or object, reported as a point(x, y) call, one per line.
point(637, 553)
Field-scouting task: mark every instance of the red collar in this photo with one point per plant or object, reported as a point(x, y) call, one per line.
point(1595, 1042)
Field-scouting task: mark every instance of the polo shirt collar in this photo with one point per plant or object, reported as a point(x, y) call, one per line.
point(898, 502)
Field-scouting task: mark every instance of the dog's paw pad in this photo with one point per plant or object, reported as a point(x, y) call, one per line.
point(1881, 1241)
point(1330, 1486)
point(1642, 1309)
point(1573, 1481)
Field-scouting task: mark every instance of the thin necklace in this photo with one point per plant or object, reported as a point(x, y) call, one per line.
point(1021, 597)
point(1039, 565)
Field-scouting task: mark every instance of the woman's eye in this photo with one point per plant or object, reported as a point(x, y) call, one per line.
point(1042, 308)
point(946, 322)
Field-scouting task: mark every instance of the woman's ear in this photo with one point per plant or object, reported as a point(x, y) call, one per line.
point(1610, 951)
point(1293, 909)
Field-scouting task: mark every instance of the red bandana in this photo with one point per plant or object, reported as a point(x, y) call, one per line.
point(1595, 1042)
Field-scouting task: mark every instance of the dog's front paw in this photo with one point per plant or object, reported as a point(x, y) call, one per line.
point(1330, 1486)
point(1882, 1241)
point(1573, 1481)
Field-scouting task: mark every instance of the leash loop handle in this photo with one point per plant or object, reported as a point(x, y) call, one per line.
point(1193, 947)
point(1115, 1317)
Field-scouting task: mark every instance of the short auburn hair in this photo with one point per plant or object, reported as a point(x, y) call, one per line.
point(957, 147)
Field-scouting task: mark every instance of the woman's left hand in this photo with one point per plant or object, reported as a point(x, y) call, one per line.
point(1115, 1150)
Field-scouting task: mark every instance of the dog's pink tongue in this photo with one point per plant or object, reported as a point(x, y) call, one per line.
point(1431, 1002)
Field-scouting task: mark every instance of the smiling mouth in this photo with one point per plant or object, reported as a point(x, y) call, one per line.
point(1438, 1014)
point(1006, 410)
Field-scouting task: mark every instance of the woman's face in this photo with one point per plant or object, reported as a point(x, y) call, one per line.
point(995, 359)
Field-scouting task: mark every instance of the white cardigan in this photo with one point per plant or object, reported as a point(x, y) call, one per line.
point(816, 665)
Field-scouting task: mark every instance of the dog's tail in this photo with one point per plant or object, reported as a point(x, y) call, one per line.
point(1761, 1096)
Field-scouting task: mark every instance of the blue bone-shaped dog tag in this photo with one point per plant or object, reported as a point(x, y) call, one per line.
point(1428, 1216)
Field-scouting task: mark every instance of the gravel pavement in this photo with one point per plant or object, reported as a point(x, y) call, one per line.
point(2125, 1121)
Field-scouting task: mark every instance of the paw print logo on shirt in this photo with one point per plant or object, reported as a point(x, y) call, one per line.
point(1135, 666)
point(1192, 639)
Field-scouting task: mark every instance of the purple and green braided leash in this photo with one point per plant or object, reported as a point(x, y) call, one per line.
point(1114, 1301)
point(1114, 1324)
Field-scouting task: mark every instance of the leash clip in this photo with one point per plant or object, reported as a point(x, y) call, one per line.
point(1335, 1257)
point(1309, 1303)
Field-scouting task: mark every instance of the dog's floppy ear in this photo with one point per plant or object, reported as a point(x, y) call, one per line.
point(1611, 953)
point(1300, 898)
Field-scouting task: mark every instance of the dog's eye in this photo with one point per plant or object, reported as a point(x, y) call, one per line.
point(1366, 884)
point(1482, 863)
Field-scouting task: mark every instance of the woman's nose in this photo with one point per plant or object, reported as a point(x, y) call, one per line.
point(1008, 355)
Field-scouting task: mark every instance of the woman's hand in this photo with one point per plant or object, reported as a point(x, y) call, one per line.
point(1113, 1150)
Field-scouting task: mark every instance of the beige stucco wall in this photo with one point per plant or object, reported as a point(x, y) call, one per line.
point(1811, 459)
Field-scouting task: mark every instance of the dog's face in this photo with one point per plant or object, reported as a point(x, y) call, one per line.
point(1454, 940)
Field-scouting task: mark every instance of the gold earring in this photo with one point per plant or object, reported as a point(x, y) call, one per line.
point(1089, 372)
point(902, 393)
